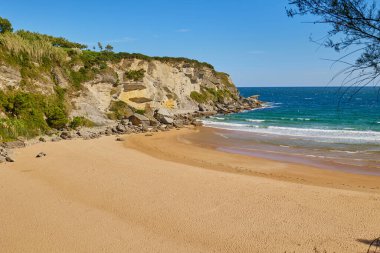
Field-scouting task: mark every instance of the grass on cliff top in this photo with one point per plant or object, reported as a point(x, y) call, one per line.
point(23, 50)
point(92, 58)
point(37, 54)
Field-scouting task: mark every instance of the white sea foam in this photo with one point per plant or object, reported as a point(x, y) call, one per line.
point(345, 151)
point(255, 120)
point(319, 135)
point(218, 118)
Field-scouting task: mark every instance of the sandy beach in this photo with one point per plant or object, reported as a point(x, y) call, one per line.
point(166, 193)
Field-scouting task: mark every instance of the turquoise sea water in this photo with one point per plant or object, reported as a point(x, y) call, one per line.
point(329, 124)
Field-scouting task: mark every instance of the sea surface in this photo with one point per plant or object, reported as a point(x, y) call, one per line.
point(329, 127)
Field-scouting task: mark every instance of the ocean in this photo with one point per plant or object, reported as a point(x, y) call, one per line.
point(328, 127)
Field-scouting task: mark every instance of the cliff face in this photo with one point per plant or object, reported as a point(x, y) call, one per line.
point(47, 83)
point(179, 87)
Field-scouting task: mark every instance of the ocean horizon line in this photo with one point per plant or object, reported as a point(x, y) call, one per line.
point(328, 86)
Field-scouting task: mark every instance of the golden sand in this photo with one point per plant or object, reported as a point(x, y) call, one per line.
point(166, 194)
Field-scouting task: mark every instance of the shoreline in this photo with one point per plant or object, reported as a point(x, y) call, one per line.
point(163, 193)
point(198, 154)
point(248, 144)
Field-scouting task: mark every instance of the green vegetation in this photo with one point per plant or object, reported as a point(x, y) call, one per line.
point(109, 48)
point(5, 25)
point(208, 94)
point(93, 57)
point(80, 122)
point(81, 76)
point(135, 75)
point(100, 46)
point(27, 114)
point(142, 112)
point(56, 116)
point(38, 57)
point(199, 97)
point(54, 41)
point(119, 110)
point(224, 77)
point(38, 53)
point(26, 51)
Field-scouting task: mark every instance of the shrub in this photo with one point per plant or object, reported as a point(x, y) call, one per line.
point(80, 121)
point(56, 117)
point(138, 111)
point(217, 95)
point(83, 75)
point(224, 78)
point(5, 25)
point(119, 110)
point(26, 113)
point(198, 97)
point(135, 75)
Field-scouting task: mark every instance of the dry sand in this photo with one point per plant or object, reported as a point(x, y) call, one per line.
point(165, 194)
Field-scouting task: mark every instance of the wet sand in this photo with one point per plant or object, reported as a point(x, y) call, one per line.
point(164, 193)
point(201, 148)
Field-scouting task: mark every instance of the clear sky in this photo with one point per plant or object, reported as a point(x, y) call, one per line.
point(252, 40)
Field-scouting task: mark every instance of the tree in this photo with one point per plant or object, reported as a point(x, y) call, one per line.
point(5, 25)
point(100, 46)
point(109, 48)
point(355, 29)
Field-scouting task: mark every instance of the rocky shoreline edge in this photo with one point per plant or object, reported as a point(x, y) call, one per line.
point(149, 123)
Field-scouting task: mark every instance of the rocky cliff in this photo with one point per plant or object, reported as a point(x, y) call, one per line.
point(44, 86)
point(150, 85)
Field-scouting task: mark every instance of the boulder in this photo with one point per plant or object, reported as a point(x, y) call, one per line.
point(154, 122)
point(65, 135)
point(138, 119)
point(164, 112)
point(121, 128)
point(56, 139)
point(164, 116)
point(178, 123)
point(41, 154)
point(166, 120)
point(85, 134)
point(202, 108)
point(197, 123)
point(13, 144)
point(162, 127)
point(108, 131)
point(125, 122)
point(3, 152)
point(9, 159)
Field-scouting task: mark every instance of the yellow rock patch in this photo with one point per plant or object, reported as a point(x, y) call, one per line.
point(170, 103)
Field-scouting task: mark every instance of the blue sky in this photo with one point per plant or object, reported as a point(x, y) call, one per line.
point(252, 40)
